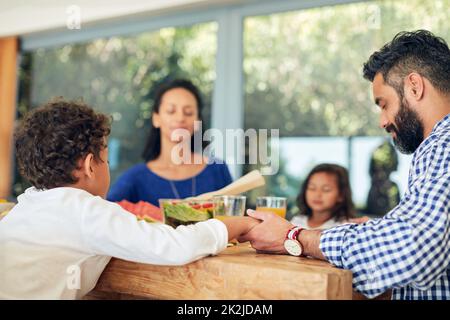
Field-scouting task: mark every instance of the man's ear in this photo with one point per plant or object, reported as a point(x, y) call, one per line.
point(414, 86)
point(87, 165)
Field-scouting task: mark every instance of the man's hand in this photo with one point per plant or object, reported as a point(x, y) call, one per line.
point(359, 220)
point(270, 234)
point(238, 226)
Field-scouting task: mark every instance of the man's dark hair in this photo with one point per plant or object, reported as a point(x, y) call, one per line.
point(418, 51)
point(52, 138)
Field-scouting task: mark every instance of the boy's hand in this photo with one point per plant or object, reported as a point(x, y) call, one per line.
point(238, 226)
point(269, 235)
point(250, 224)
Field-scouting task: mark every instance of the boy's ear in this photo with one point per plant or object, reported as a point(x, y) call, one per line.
point(87, 165)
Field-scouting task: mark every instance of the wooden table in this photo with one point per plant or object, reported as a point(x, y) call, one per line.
point(236, 273)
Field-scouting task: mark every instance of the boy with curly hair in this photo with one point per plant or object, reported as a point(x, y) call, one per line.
point(63, 223)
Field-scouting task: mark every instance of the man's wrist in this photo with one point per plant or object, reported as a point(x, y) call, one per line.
point(310, 240)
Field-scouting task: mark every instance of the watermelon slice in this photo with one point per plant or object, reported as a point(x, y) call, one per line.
point(143, 210)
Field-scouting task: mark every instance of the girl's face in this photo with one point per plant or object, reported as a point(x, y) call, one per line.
point(322, 192)
point(178, 110)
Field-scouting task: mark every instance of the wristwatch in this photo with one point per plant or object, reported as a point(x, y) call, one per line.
point(291, 244)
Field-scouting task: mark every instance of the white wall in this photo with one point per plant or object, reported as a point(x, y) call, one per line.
point(22, 17)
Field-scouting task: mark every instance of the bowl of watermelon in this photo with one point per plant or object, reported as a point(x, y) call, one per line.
point(184, 212)
point(143, 210)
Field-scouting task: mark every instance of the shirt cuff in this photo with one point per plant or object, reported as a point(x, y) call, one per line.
point(220, 232)
point(331, 243)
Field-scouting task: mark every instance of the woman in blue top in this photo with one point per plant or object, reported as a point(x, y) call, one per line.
point(177, 105)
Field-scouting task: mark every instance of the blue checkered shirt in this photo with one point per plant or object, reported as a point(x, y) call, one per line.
point(408, 250)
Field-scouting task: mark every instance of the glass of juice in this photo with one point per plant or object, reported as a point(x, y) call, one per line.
point(229, 206)
point(276, 205)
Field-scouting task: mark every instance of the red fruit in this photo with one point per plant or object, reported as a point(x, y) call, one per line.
point(142, 210)
point(207, 205)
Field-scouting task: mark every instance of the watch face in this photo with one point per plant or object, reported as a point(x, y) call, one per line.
point(293, 247)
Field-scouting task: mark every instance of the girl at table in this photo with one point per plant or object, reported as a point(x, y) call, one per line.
point(325, 198)
point(178, 105)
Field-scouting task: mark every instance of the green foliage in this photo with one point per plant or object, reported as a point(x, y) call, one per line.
point(303, 69)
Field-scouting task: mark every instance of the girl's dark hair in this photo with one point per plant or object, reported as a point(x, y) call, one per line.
point(343, 210)
point(153, 145)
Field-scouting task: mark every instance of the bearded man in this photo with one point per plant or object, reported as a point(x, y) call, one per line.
point(408, 250)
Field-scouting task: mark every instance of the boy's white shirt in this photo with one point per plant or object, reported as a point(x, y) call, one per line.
point(302, 221)
point(51, 236)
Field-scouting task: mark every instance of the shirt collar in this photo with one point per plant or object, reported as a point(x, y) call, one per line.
point(441, 124)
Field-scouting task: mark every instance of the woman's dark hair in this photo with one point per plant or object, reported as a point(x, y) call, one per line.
point(343, 210)
point(418, 51)
point(52, 138)
point(153, 145)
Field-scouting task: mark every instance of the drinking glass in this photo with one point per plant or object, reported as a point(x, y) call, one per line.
point(276, 205)
point(229, 206)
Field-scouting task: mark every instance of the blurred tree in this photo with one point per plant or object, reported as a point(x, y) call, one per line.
point(384, 194)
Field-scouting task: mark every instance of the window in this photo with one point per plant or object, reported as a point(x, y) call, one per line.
point(303, 75)
point(117, 75)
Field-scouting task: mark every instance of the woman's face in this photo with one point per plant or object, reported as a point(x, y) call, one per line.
point(322, 192)
point(178, 110)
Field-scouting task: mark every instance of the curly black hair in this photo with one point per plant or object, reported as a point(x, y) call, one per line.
point(417, 51)
point(52, 138)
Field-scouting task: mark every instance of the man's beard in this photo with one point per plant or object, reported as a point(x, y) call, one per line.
point(408, 129)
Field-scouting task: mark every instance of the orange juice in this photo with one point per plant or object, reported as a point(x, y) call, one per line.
point(221, 217)
point(278, 211)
